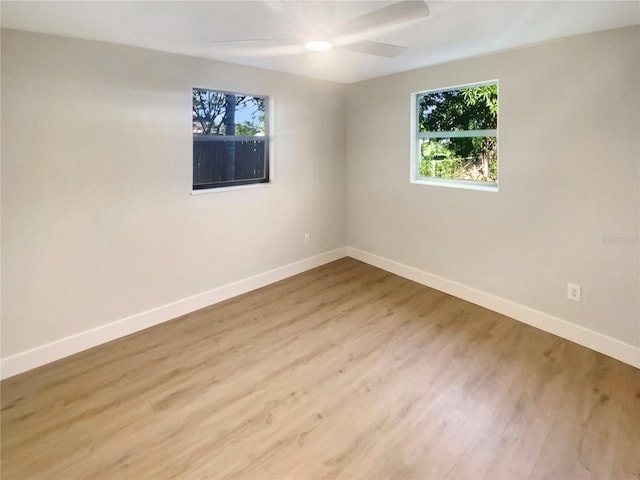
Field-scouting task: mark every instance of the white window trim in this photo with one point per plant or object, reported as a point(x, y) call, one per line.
point(414, 177)
point(204, 191)
point(270, 137)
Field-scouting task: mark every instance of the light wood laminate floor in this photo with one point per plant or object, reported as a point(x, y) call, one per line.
point(345, 371)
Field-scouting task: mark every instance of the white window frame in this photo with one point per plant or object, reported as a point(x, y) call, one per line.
point(416, 136)
point(269, 147)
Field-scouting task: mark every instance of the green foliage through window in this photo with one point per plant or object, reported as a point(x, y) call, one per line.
point(457, 133)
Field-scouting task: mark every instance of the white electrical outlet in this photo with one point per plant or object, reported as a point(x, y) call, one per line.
point(307, 239)
point(574, 292)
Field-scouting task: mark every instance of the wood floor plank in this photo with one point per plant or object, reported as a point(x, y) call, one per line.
point(345, 371)
point(626, 397)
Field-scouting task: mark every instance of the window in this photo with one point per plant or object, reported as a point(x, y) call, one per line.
point(456, 136)
point(230, 139)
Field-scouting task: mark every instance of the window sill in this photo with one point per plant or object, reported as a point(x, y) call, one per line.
point(463, 184)
point(251, 186)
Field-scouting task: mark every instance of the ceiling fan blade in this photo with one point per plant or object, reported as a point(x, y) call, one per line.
point(375, 48)
point(276, 6)
point(351, 34)
point(383, 19)
point(314, 15)
point(258, 47)
point(254, 42)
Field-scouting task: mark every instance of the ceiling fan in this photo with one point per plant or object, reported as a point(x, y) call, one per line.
point(352, 34)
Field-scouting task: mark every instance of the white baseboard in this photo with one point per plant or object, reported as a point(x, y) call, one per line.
point(599, 342)
point(41, 355)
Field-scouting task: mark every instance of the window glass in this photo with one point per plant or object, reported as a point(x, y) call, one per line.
point(230, 139)
point(456, 134)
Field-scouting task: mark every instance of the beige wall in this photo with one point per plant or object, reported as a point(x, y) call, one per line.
point(569, 164)
point(98, 222)
point(97, 218)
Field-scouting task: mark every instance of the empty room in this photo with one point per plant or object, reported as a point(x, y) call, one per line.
point(320, 239)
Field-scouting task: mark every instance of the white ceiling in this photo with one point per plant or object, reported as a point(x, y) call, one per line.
point(453, 30)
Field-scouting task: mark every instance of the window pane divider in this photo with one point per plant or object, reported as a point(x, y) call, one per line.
point(223, 138)
point(458, 134)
